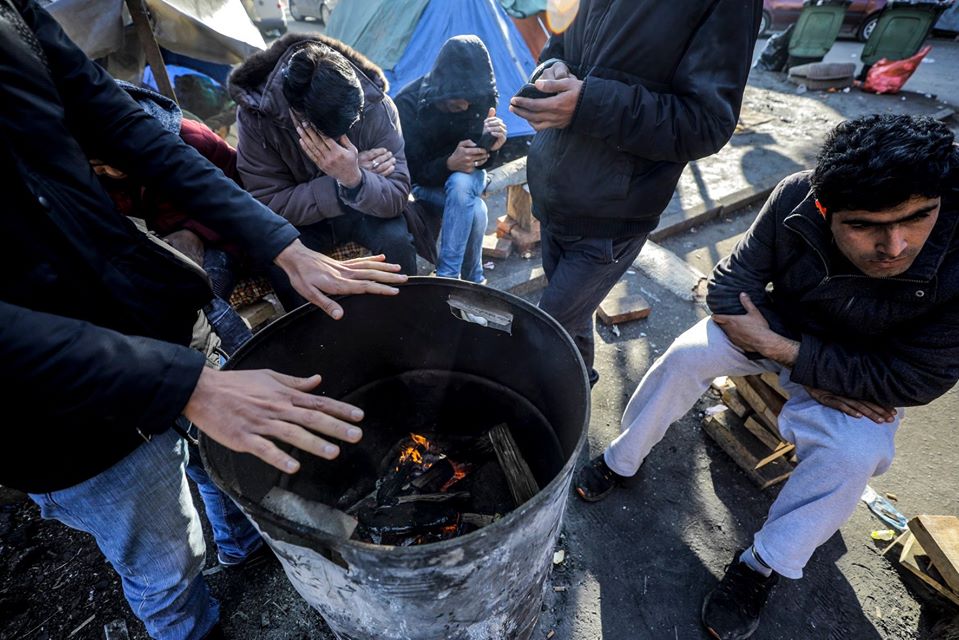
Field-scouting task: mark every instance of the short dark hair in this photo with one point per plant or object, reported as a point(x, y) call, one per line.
point(877, 162)
point(321, 83)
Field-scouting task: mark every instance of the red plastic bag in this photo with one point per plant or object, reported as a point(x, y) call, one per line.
point(888, 77)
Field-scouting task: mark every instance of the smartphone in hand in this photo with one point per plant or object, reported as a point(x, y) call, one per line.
point(529, 90)
point(486, 141)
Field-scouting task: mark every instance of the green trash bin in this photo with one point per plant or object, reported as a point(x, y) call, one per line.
point(816, 30)
point(902, 28)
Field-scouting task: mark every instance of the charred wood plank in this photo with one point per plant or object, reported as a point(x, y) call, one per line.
point(455, 496)
point(522, 483)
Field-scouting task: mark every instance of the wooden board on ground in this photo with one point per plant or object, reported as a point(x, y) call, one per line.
point(494, 247)
point(257, 313)
point(749, 388)
point(720, 383)
point(939, 536)
point(897, 543)
point(916, 561)
point(762, 434)
point(519, 205)
point(623, 307)
point(783, 449)
point(728, 431)
point(734, 401)
point(772, 379)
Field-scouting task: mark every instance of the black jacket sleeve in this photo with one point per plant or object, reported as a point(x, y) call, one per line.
point(112, 127)
point(750, 267)
point(70, 369)
point(699, 113)
point(911, 370)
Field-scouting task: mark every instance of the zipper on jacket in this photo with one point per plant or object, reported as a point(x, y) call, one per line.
point(829, 277)
point(591, 40)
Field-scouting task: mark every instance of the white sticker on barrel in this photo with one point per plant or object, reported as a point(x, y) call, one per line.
point(481, 315)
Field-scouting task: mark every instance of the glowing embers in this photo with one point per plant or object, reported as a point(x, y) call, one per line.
point(432, 491)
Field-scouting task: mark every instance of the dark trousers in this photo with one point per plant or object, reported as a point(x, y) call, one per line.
point(389, 236)
point(581, 271)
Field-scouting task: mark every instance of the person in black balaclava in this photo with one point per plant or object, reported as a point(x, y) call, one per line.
point(445, 115)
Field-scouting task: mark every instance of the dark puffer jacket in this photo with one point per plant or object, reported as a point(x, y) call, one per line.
point(893, 341)
point(272, 165)
point(93, 316)
point(463, 71)
point(663, 85)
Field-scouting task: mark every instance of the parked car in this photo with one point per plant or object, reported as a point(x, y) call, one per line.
point(320, 10)
point(861, 16)
point(268, 15)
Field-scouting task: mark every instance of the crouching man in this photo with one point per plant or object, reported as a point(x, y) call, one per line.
point(862, 319)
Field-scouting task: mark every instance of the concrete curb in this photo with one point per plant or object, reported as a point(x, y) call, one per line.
point(674, 223)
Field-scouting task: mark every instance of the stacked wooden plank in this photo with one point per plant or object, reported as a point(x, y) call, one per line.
point(930, 551)
point(517, 230)
point(748, 428)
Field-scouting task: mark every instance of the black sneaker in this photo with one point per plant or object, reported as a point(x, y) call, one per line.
point(731, 610)
point(261, 556)
point(595, 480)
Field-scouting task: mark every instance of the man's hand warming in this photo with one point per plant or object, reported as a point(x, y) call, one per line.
point(314, 275)
point(249, 411)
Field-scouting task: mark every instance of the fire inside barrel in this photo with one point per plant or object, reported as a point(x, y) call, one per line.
point(424, 495)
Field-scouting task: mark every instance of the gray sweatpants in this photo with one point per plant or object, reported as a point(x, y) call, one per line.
point(837, 453)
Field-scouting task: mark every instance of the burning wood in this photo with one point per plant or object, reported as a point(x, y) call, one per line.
point(428, 491)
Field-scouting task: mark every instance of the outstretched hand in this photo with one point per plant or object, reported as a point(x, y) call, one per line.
point(315, 276)
point(250, 411)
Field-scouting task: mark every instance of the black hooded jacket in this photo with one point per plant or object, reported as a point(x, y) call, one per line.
point(462, 70)
point(663, 83)
point(94, 317)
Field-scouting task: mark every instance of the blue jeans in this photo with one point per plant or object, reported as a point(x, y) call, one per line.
point(234, 535)
point(141, 514)
point(464, 224)
point(581, 271)
point(225, 321)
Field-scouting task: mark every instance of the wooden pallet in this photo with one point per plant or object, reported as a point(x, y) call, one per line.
point(915, 559)
point(748, 431)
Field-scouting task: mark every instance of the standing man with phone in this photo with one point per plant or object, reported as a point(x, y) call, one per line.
point(451, 130)
point(641, 88)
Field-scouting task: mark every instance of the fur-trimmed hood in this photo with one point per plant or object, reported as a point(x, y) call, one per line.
point(257, 84)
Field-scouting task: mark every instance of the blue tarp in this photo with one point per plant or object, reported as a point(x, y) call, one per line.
point(443, 19)
point(381, 29)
